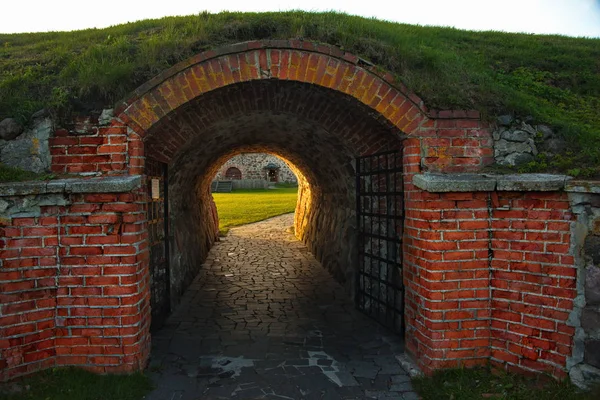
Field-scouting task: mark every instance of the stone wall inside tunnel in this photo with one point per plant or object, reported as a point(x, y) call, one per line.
point(193, 228)
point(319, 133)
point(329, 231)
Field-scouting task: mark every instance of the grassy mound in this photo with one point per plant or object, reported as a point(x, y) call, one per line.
point(554, 79)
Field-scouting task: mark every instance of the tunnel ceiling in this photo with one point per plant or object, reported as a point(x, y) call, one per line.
point(318, 130)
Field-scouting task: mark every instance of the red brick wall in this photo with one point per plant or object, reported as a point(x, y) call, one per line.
point(456, 141)
point(28, 291)
point(74, 286)
point(533, 281)
point(489, 277)
point(103, 149)
point(447, 278)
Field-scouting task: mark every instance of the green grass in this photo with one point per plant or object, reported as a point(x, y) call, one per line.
point(554, 79)
point(10, 174)
point(481, 383)
point(77, 384)
point(242, 207)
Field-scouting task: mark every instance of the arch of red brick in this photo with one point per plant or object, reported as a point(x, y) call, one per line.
point(307, 62)
point(452, 141)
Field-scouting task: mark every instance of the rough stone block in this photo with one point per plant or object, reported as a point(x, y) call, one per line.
point(592, 352)
point(515, 136)
point(29, 151)
point(10, 129)
point(516, 159)
point(504, 147)
point(592, 250)
point(584, 375)
point(590, 321)
point(546, 131)
point(553, 145)
point(3, 205)
point(106, 116)
point(53, 200)
point(592, 286)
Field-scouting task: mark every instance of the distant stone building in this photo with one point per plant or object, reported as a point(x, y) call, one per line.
point(255, 166)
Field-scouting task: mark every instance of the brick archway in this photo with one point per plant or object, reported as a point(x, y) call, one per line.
point(163, 122)
point(450, 141)
point(334, 101)
point(306, 103)
point(298, 61)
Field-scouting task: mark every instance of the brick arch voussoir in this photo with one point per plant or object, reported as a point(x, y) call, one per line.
point(306, 62)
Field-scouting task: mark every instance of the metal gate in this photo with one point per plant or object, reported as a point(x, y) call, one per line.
point(157, 213)
point(379, 201)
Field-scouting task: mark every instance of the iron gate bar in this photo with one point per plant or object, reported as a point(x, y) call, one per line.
point(377, 278)
point(379, 222)
point(381, 259)
point(376, 236)
point(379, 171)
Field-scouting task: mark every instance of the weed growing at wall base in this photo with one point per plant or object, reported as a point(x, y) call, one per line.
point(76, 384)
point(482, 383)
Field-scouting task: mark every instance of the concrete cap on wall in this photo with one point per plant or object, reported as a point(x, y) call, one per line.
point(490, 182)
point(113, 184)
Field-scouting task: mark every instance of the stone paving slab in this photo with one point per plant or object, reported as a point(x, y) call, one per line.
point(264, 320)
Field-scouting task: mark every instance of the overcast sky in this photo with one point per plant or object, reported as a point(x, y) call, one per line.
point(567, 17)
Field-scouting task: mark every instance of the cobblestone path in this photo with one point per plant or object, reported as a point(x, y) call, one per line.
point(264, 320)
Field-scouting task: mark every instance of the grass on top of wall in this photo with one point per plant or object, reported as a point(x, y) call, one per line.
point(245, 206)
point(555, 79)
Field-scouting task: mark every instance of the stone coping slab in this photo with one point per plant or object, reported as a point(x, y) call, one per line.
point(583, 186)
point(531, 182)
point(454, 182)
point(432, 182)
point(111, 184)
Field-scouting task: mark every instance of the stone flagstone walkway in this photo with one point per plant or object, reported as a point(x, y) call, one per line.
point(264, 320)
